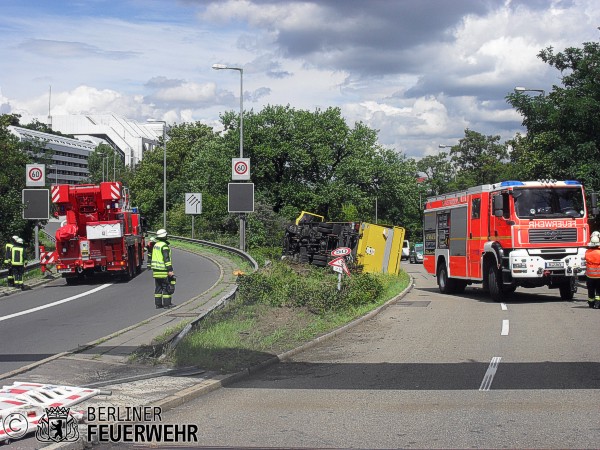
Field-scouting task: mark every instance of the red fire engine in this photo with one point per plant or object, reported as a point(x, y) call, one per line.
point(508, 234)
point(101, 233)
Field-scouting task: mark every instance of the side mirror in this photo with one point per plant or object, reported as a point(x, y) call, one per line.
point(594, 205)
point(498, 205)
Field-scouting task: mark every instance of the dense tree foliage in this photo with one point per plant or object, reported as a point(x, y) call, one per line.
point(563, 131)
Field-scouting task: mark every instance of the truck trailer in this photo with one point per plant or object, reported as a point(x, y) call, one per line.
point(374, 248)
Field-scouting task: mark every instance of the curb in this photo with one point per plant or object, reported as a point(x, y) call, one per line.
point(208, 386)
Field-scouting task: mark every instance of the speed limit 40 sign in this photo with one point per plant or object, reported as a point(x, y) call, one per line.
point(35, 175)
point(240, 168)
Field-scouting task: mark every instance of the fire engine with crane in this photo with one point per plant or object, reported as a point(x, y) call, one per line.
point(507, 235)
point(101, 233)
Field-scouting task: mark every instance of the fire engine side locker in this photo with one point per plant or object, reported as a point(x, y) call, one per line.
point(446, 237)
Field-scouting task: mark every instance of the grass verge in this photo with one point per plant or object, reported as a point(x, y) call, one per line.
point(252, 329)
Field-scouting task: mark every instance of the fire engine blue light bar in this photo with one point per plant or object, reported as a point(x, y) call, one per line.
point(572, 182)
point(512, 183)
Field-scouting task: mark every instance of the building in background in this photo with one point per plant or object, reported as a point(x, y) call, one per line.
point(69, 156)
point(129, 138)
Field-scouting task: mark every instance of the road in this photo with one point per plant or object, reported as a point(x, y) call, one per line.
point(431, 371)
point(54, 318)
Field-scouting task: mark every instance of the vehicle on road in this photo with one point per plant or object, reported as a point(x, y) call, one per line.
point(405, 249)
point(101, 233)
point(416, 253)
point(508, 235)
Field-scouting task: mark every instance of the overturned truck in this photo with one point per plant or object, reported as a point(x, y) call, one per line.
point(374, 248)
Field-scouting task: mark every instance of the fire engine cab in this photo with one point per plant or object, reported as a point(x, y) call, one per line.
point(509, 234)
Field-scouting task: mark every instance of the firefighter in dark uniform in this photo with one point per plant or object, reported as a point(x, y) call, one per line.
point(7, 259)
point(18, 263)
point(592, 271)
point(162, 270)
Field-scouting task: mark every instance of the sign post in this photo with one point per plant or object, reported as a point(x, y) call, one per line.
point(193, 206)
point(339, 264)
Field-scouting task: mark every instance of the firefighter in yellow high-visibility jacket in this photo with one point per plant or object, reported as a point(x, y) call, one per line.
point(592, 271)
point(162, 270)
point(7, 258)
point(18, 263)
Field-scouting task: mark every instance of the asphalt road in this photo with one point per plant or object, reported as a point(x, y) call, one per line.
point(431, 371)
point(54, 318)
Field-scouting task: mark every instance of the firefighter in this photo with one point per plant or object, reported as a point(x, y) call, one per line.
point(7, 259)
point(162, 270)
point(18, 263)
point(592, 271)
point(149, 248)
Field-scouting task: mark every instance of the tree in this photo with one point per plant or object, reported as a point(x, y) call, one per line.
point(438, 171)
point(563, 130)
point(478, 159)
point(12, 183)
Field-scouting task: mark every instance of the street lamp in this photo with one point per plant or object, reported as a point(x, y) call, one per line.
point(242, 215)
point(103, 155)
point(450, 147)
point(164, 170)
point(523, 89)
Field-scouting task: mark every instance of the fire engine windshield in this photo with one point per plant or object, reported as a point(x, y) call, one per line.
point(531, 203)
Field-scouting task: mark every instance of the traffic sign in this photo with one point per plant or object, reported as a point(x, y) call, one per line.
point(339, 263)
point(240, 197)
point(36, 204)
point(240, 168)
point(35, 175)
point(341, 251)
point(193, 203)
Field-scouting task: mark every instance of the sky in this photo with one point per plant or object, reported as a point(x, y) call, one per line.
point(419, 71)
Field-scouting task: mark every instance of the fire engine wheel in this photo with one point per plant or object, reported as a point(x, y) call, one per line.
point(446, 284)
point(567, 291)
point(495, 284)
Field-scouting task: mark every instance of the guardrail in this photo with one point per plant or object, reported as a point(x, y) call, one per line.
point(194, 324)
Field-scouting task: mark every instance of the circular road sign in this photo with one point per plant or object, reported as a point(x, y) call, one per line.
point(341, 251)
point(240, 168)
point(35, 174)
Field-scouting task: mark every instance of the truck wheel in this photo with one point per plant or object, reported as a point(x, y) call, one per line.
point(303, 255)
point(447, 285)
point(566, 290)
point(495, 284)
point(138, 268)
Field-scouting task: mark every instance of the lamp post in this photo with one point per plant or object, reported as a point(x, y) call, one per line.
point(102, 155)
point(524, 89)
point(450, 147)
point(164, 170)
point(239, 69)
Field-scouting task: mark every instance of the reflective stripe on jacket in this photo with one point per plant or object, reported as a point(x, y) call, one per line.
point(592, 262)
point(17, 256)
point(160, 267)
point(8, 252)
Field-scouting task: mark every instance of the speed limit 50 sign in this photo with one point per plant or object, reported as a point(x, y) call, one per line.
point(35, 175)
point(240, 168)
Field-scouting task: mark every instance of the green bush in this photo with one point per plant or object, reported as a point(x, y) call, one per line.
point(285, 284)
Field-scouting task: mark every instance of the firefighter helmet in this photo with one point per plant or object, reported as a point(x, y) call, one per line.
point(594, 241)
point(18, 240)
point(15, 237)
point(161, 234)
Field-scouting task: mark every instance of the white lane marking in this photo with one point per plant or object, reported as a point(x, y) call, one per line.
point(504, 328)
point(59, 302)
point(503, 306)
point(489, 374)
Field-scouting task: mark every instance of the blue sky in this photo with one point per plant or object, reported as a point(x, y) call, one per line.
point(419, 71)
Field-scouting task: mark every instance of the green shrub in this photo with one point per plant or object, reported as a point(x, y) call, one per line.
point(288, 284)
